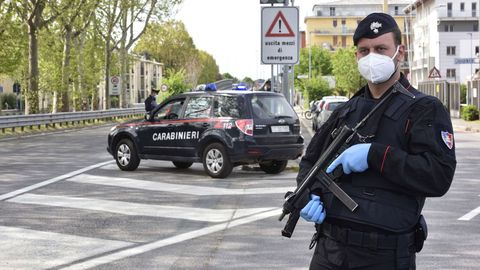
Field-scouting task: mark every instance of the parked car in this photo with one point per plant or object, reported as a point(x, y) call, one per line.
point(323, 111)
point(220, 129)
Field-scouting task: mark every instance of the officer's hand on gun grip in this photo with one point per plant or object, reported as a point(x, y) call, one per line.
point(354, 159)
point(313, 211)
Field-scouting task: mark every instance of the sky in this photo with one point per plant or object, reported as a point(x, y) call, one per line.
point(230, 31)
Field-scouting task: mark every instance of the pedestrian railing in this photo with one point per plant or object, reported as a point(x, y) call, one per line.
point(67, 118)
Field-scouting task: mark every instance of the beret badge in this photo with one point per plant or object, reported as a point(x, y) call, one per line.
point(374, 27)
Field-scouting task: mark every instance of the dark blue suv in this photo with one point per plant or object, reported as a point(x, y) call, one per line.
point(221, 129)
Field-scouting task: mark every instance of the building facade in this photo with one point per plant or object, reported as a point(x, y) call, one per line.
point(144, 74)
point(445, 36)
point(333, 22)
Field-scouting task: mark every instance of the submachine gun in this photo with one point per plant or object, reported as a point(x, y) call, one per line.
point(317, 177)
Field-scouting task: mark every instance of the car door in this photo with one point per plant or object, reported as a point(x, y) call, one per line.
point(197, 118)
point(158, 136)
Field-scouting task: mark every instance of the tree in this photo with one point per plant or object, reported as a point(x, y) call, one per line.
point(175, 81)
point(346, 72)
point(168, 43)
point(209, 68)
point(320, 64)
point(32, 13)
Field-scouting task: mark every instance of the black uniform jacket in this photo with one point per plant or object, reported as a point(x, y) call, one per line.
point(150, 103)
point(414, 158)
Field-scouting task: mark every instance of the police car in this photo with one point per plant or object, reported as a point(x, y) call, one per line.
point(221, 129)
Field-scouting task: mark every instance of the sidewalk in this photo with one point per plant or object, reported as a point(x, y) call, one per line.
point(462, 125)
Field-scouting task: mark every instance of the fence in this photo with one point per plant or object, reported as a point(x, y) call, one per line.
point(22, 121)
point(447, 92)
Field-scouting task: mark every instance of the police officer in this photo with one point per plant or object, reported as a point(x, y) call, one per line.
point(403, 154)
point(151, 100)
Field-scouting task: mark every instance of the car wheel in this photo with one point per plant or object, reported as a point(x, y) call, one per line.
point(273, 166)
point(216, 162)
point(126, 155)
point(182, 165)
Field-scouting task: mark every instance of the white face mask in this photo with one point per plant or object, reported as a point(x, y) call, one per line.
point(377, 68)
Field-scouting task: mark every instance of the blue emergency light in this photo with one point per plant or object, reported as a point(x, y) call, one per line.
point(240, 86)
point(211, 87)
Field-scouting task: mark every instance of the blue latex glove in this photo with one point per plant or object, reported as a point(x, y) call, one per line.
point(313, 211)
point(354, 159)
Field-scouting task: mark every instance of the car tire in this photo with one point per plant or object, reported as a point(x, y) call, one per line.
point(273, 166)
point(126, 155)
point(182, 165)
point(216, 162)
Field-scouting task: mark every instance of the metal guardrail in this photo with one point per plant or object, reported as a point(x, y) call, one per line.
point(21, 121)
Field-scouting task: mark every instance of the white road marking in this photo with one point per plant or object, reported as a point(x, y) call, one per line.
point(471, 214)
point(138, 209)
point(17, 192)
point(29, 249)
point(177, 188)
point(169, 241)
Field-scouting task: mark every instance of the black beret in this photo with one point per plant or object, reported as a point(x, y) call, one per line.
point(374, 25)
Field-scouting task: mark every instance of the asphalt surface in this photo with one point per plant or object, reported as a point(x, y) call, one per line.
point(65, 205)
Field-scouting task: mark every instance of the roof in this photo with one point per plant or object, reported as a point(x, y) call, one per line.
point(363, 2)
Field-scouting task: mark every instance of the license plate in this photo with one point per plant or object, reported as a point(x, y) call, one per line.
point(280, 128)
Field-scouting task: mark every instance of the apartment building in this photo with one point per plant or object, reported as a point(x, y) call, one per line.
point(333, 22)
point(445, 36)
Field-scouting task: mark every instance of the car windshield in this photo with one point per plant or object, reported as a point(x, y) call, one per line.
point(270, 106)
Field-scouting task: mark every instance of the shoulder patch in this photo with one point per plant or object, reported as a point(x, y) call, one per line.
point(447, 138)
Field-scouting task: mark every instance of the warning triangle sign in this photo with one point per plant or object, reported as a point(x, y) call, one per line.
point(434, 73)
point(280, 27)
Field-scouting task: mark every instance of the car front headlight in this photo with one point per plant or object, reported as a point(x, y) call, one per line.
point(113, 128)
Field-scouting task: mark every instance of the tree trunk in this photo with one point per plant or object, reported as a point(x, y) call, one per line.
point(31, 95)
point(123, 72)
point(79, 46)
point(67, 46)
point(106, 96)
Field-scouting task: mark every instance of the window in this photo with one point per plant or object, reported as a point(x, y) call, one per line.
point(344, 21)
point(450, 50)
point(332, 11)
point(334, 23)
point(344, 41)
point(227, 106)
point(335, 40)
point(462, 7)
point(477, 50)
point(448, 27)
point(266, 107)
point(449, 9)
point(198, 107)
point(474, 9)
point(171, 110)
point(451, 73)
point(396, 10)
point(475, 26)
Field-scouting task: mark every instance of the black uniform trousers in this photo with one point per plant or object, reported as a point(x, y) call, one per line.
point(334, 251)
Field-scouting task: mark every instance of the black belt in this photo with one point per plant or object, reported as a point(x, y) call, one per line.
point(372, 240)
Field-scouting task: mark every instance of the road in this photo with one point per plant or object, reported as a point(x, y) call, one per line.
point(65, 205)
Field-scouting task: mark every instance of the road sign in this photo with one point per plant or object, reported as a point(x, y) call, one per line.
point(114, 89)
point(434, 73)
point(280, 35)
point(164, 87)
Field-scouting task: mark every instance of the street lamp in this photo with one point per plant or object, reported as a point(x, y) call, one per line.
point(310, 54)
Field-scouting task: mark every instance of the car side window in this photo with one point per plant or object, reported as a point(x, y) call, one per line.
point(170, 110)
point(226, 106)
point(198, 107)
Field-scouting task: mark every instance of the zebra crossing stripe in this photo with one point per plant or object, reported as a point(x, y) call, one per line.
point(138, 209)
point(176, 188)
point(17, 192)
point(128, 252)
point(468, 216)
point(30, 249)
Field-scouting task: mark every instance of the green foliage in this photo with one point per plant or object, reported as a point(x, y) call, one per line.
point(209, 69)
point(470, 113)
point(346, 72)
point(316, 88)
point(463, 93)
point(175, 80)
point(168, 43)
point(321, 61)
point(7, 101)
